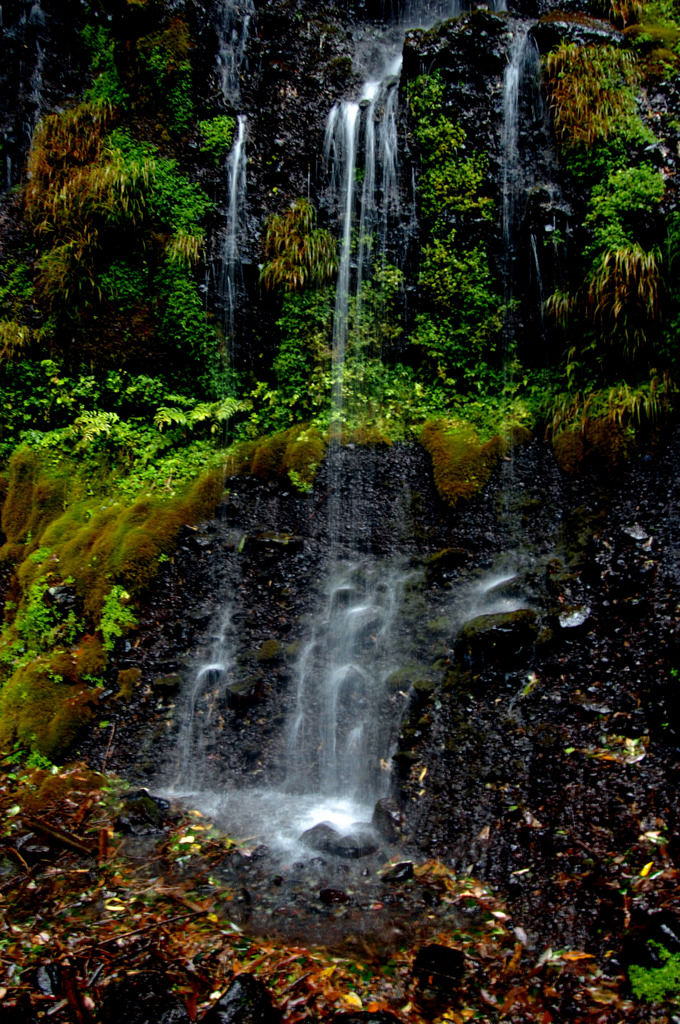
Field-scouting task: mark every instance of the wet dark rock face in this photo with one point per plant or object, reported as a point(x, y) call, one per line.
point(533, 766)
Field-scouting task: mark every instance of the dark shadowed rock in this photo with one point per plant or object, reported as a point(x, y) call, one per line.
point(320, 837)
point(246, 1001)
point(490, 638)
point(387, 818)
point(355, 844)
point(141, 1000)
point(439, 967)
point(142, 814)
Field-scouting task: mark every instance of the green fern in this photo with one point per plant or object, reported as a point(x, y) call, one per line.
point(214, 412)
point(90, 425)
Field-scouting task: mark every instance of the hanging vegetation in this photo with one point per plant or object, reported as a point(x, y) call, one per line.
point(297, 253)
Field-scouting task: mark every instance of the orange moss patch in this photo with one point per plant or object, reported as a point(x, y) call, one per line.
point(127, 680)
point(296, 453)
point(460, 464)
point(598, 442)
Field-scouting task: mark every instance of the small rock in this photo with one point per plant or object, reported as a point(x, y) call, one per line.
point(401, 872)
point(142, 814)
point(320, 837)
point(333, 896)
point(169, 683)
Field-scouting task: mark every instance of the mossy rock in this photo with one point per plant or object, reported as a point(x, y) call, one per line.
point(461, 464)
point(499, 637)
point(271, 650)
point(445, 563)
point(43, 711)
point(169, 683)
point(401, 678)
point(245, 692)
point(128, 678)
point(598, 443)
point(296, 454)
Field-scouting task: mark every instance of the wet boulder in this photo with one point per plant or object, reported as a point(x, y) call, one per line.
point(387, 818)
point(142, 814)
point(357, 843)
point(360, 841)
point(321, 837)
point(246, 1001)
point(500, 637)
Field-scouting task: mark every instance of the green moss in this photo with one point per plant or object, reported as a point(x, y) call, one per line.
point(460, 463)
point(111, 553)
point(271, 650)
point(42, 711)
point(127, 680)
point(296, 453)
point(658, 984)
point(34, 496)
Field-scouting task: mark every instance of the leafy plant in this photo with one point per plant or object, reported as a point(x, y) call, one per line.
point(297, 252)
point(117, 617)
point(657, 984)
point(218, 134)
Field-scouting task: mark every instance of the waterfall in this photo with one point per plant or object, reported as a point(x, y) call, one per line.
point(233, 29)
point(512, 177)
point(340, 148)
point(231, 286)
point(342, 731)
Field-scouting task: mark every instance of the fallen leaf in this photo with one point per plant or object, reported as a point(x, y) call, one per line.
point(352, 999)
point(646, 869)
point(577, 955)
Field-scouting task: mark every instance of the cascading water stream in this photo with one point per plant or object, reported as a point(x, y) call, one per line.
point(233, 29)
point(345, 721)
point(231, 255)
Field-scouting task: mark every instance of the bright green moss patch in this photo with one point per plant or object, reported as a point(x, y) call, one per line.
point(657, 984)
point(103, 552)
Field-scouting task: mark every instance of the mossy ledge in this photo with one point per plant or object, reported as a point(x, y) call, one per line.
point(101, 551)
point(461, 463)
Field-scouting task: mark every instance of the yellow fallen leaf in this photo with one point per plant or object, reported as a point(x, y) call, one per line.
point(577, 955)
point(352, 999)
point(646, 869)
point(3, 993)
point(213, 918)
point(115, 906)
point(422, 775)
point(187, 839)
point(326, 972)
